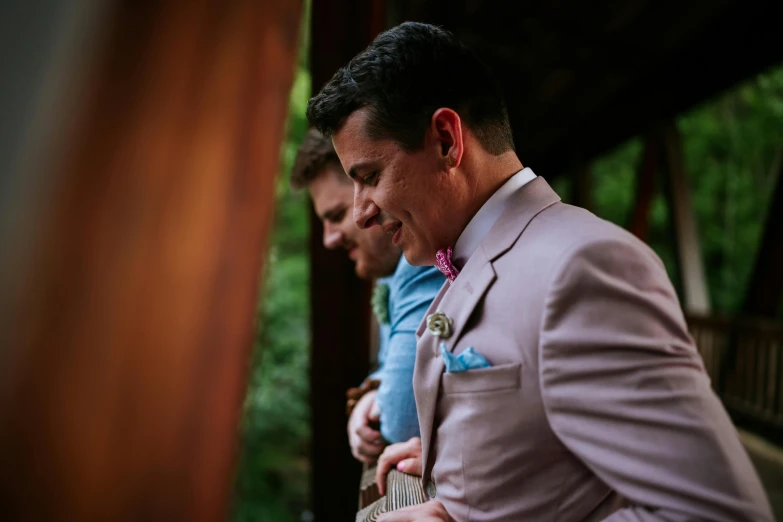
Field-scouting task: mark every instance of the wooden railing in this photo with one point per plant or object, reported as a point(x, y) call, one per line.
point(743, 357)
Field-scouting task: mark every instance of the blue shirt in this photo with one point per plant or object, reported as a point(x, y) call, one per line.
point(411, 290)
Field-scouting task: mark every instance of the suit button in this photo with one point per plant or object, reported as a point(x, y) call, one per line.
point(431, 491)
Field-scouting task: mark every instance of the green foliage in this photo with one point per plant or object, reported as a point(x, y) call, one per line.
point(733, 149)
point(614, 183)
point(733, 152)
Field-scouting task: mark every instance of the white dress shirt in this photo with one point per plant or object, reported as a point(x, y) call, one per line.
point(482, 222)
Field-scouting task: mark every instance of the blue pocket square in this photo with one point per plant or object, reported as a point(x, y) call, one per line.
point(470, 359)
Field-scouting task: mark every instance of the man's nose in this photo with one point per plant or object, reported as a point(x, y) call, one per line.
point(333, 238)
point(365, 210)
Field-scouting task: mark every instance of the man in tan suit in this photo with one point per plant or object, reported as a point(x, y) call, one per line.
point(596, 405)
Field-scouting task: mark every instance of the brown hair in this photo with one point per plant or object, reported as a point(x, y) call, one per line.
point(315, 153)
point(399, 78)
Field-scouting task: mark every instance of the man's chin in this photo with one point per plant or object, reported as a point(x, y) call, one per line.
point(417, 258)
point(361, 272)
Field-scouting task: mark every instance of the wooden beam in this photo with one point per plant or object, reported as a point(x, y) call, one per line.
point(687, 242)
point(765, 290)
point(639, 223)
point(339, 301)
point(617, 85)
point(582, 187)
point(125, 369)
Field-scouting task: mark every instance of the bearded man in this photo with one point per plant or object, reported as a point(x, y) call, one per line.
point(402, 295)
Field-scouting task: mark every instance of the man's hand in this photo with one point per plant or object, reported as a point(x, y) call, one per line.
point(405, 456)
point(366, 443)
point(432, 511)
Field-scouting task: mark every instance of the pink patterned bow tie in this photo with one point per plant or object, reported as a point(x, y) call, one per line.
point(444, 264)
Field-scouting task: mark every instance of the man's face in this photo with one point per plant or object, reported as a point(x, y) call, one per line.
point(374, 254)
point(406, 194)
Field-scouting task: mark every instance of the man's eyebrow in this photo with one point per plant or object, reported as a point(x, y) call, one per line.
point(353, 173)
point(332, 212)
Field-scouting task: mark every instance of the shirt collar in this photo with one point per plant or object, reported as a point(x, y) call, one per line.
point(482, 222)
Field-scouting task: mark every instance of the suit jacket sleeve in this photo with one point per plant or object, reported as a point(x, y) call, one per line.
point(625, 390)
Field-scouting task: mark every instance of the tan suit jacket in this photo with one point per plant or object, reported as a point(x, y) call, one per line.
point(597, 405)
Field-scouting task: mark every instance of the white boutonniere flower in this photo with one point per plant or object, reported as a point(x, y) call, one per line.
point(380, 303)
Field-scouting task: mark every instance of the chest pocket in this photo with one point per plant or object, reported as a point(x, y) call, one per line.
point(493, 379)
point(483, 412)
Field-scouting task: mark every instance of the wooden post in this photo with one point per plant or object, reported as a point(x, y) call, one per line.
point(763, 296)
point(639, 223)
point(582, 187)
point(340, 302)
point(126, 341)
point(688, 245)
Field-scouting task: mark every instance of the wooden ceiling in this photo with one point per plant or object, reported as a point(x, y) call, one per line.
point(582, 77)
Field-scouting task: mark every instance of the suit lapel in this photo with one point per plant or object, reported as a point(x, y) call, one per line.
point(433, 306)
point(458, 300)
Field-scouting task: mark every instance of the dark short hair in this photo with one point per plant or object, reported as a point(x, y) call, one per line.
point(404, 76)
point(315, 154)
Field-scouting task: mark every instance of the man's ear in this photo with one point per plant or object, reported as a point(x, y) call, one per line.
point(447, 130)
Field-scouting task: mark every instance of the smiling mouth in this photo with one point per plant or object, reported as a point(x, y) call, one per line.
point(395, 232)
point(391, 228)
point(396, 237)
point(352, 249)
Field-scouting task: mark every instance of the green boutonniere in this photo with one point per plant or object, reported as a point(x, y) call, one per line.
point(380, 303)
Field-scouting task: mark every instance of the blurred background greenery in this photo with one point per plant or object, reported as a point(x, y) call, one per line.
point(733, 147)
